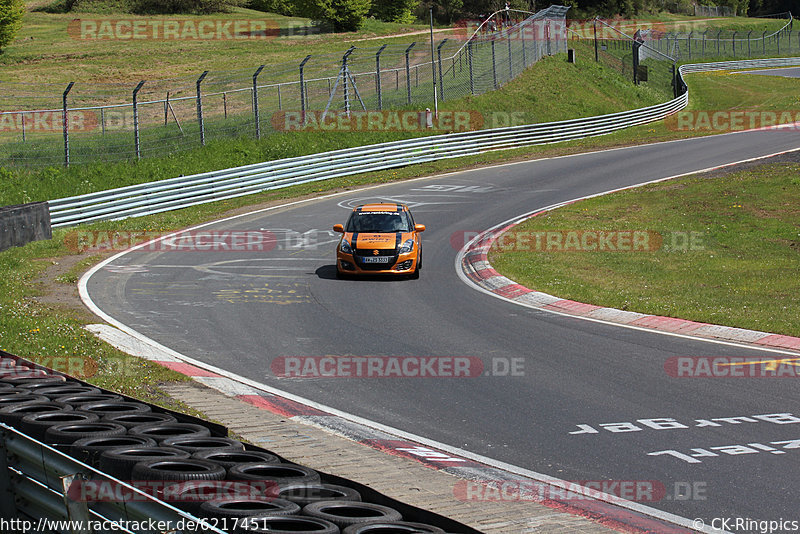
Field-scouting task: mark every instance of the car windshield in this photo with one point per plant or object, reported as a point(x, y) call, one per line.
point(378, 222)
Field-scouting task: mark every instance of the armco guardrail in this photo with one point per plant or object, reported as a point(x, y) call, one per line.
point(35, 493)
point(176, 193)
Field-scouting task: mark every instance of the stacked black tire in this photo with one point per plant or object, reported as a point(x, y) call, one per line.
point(237, 489)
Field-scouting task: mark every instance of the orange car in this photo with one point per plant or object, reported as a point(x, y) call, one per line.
point(379, 239)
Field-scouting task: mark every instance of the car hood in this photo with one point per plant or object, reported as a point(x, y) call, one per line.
point(379, 241)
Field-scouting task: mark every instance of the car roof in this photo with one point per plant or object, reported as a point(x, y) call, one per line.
point(381, 207)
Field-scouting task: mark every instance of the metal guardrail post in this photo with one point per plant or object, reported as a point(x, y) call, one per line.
point(77, 512)
point(7, 508)
point(303, 95)
point(471, 76)
point(441, 81)
point(136, 120)
point(65, 122)
point(408, 72)
point(200, 109)
point(378, 76)
point(256, 115)
point(494, 66)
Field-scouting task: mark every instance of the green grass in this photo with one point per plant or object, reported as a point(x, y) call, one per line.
point(738, 273)
point(44, 52)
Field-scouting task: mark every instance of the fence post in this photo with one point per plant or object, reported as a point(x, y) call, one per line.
point(510, 64)
point(494, 65)
point(166, 109)
point(778, 42)
point(280, 99)
point(441, 81)
point(522, 38)
point(689, 43)
point(635, 60)
point(136, 120)
point(733, 43)
point(764, 43)
point(469, 60)
point(704, 43)
point(303, 90)
point(345, 75)
point(378, 76)
point(255, 101)
point(408, 72)
point(22, 121)
point(65, 122)
point(748, 43)
point(547, 36)
point(200, 109)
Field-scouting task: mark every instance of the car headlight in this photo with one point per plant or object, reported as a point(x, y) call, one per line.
point(345, 247)
point(407, 247)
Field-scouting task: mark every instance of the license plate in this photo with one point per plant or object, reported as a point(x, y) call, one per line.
point(375, 259)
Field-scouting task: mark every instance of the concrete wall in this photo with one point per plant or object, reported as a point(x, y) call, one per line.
point(24, 223)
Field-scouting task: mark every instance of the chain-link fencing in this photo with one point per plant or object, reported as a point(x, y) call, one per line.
point(46, 125)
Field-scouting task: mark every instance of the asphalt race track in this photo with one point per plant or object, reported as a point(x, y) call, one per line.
point(240, 310)
point(788, 72)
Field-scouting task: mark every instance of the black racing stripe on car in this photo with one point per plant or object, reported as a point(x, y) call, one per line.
point(398, 239)
point(353, 241)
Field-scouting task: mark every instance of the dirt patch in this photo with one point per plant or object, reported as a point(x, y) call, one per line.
point(54, 292)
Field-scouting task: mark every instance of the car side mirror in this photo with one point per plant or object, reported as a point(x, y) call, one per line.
point(338, 228)
point(419, 227)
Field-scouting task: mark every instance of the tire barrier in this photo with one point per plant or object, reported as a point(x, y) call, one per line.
point(195, 444)
point(179, 460)
point(130, 420)
point(346, 513)
point(304, 494)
